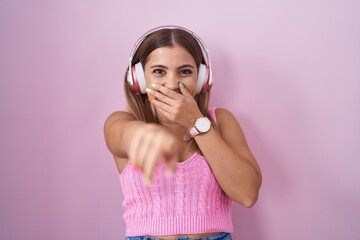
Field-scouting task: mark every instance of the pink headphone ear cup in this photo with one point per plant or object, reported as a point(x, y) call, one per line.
point(136, 79)
point(140, 77)
point(132, 81)
point(202, 78)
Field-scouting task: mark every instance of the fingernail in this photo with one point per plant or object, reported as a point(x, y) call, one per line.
point(150, 99)
point(148, 90)
point(154, 85)
point(182, 85)
point(147, 181)
point(135, 168)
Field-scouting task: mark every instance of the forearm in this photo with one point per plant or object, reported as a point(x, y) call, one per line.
point(236, 176)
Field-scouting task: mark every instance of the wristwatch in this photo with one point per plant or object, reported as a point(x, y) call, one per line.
point(202, 125)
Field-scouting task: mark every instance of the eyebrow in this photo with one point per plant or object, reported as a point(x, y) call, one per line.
point(162, 66)
point(186, 65)
point(158, 65)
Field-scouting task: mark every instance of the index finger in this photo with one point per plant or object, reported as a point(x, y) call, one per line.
point(152, 159)
point(166, 91)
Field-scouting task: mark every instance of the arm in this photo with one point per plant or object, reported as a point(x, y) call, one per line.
point(227, 153)
point(143, 144)
point(231, 160)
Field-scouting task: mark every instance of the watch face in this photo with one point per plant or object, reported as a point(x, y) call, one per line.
point(203, 124)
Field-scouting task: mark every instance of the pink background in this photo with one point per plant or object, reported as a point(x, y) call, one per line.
point(288, 70)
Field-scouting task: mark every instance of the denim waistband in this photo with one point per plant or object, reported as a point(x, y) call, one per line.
point(220, 236)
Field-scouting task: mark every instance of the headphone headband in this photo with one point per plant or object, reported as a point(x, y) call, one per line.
point(199, 40)
point(137, 84)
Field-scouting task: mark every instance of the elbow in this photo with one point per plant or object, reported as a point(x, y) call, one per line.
point(247, 201)
point(250, 202)
point(247, 196)
point(251, 196)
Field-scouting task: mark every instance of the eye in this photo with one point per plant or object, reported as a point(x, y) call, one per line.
point(158, 71)
point(186, 72)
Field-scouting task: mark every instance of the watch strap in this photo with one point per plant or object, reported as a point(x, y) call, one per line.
point(194, 131)
point(190, 134)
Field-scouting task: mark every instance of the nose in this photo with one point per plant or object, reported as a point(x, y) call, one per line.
point(172, 81)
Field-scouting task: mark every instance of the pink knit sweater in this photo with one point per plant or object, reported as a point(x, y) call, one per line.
point(190, 202)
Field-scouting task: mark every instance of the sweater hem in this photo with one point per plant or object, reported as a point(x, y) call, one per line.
point(178, 225)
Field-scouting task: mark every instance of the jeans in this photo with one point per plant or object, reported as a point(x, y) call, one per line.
point(220, 236)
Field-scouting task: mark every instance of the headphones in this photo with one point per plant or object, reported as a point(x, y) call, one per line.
point(135, 74)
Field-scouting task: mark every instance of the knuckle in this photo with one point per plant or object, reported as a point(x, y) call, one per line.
point(160, 104)
point(165, 90)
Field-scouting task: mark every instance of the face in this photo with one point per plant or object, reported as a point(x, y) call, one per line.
point(168, 66)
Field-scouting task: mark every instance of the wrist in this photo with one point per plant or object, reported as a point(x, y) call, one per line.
point(202, 125)
point(192, 121)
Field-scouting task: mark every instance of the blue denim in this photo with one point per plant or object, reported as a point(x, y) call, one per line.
point(220, 236)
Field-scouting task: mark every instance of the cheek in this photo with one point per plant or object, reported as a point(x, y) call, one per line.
point(191, 85)
point(149, 78)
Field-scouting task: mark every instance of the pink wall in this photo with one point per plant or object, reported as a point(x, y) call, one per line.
point(289, 70)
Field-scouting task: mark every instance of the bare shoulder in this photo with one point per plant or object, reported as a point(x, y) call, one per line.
point(229, 128)
point(224, 116)
point(117, 116)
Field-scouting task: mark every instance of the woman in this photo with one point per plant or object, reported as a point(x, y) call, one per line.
point(181, 164)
